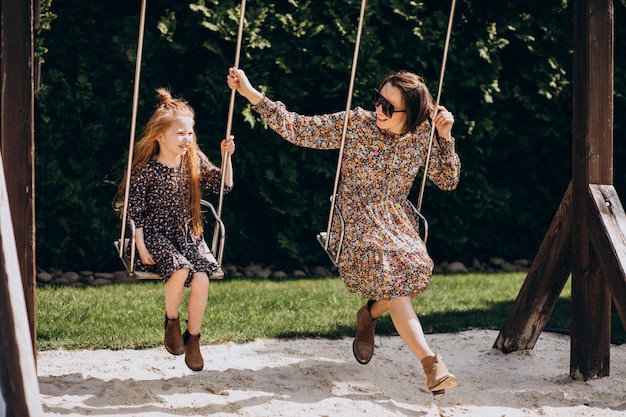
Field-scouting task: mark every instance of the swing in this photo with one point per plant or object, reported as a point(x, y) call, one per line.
point(324, 238)
point(125, 246)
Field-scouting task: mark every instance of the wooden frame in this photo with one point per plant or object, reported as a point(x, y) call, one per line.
point(587, 237)
point(20, 387)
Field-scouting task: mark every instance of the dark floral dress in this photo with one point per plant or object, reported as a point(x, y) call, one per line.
point(158, 202)
point(383, 255)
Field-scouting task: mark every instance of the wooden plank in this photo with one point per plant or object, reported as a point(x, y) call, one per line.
point(17, 135)
point(607, 222)
point(22, 388)
point(543, 285)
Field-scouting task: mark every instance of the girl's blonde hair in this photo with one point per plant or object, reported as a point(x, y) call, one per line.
point(168, 110)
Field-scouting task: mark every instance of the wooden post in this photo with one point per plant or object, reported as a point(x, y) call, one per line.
point(592, 163)
point(17, 135)
point(594, 246)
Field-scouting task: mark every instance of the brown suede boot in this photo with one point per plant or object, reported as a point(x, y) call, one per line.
point(193, 357)
point(363, 345)
point(438, 378)
point(173, 339)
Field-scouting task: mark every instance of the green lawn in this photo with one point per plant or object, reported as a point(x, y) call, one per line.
point(240, 310)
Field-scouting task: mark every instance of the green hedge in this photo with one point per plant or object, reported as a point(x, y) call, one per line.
point(508, 82)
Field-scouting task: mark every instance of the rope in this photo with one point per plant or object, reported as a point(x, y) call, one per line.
point(432, 130)
point(345, 122)
point(133, 123)
point(229, 124)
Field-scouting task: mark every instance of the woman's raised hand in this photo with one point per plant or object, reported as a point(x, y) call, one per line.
point(238, 80)
point(443, 121)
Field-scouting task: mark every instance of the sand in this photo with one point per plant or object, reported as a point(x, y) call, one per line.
point(319, 377)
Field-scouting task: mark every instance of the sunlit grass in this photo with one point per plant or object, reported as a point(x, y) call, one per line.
point(240, 310)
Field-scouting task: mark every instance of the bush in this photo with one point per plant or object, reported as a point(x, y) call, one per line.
point(508, 82)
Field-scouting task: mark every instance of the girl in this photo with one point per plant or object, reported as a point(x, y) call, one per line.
point(168, 172)
point(383, 257)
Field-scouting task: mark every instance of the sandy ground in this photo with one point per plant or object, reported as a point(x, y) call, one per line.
point(302, 378)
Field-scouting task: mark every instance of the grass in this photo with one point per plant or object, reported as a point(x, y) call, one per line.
point(240, 310)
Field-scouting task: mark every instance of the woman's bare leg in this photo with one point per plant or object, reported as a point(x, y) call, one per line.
point(408, 325)
point(404, 318)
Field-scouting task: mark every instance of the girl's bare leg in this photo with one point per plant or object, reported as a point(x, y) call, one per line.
point(173, 291)
point(197, 301)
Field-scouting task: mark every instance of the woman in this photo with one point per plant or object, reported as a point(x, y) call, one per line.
point(168, 174)
point(383, 257)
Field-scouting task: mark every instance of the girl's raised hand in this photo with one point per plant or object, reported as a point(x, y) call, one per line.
point(228, 145)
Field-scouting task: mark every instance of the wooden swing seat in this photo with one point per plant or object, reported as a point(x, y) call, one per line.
point(128, 257)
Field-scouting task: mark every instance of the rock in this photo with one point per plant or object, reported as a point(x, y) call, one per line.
point(70, 277)
point(477, 265)
point(252, 271)
point(322, 271)
point(123, 277)
point(230, 269)
point(496, 261)
point(508, 267)
point(264, 273)
point(457, 268)
point(279, 275)
point(44, 277)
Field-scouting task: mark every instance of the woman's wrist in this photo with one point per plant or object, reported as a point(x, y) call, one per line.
point(254, 97)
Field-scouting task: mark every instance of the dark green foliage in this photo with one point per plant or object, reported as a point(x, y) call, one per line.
point(508, 82)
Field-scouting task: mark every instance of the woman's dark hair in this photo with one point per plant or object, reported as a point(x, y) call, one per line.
point(417, 99)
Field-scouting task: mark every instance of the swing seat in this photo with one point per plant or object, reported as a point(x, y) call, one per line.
point(422, 219)
point(322, 237)
point(128, 257)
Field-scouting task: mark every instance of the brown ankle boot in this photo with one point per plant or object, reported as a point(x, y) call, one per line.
point(363, 345)
point(173, 339)
point(193, 357)
point(438, 378)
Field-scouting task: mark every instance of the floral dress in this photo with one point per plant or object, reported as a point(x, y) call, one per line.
point(382, 255)
point(158, 202)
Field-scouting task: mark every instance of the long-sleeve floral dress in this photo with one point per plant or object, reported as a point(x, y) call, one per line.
point(382, 255)
point(159, 202)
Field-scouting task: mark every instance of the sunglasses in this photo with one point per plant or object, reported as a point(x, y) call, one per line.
point(387, 107)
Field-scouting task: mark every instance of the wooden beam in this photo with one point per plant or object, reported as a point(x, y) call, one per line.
point(543, 285)
point(19, 385)
point(607, 222)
